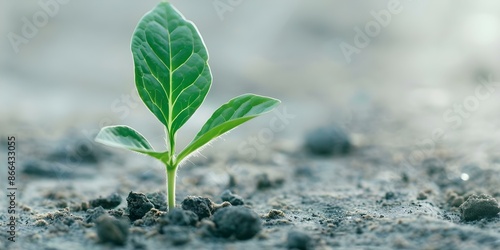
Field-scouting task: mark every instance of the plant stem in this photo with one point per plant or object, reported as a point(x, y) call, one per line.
point(171, 172)
point(171, 169)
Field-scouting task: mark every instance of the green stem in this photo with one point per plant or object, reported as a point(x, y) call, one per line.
point(171, 172)
point(171, 169)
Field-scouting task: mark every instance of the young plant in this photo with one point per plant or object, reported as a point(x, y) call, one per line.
point(173, 78)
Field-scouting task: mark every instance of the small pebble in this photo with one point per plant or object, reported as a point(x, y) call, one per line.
point(421, 196)
point(234, 199)
point(112, 230)
point(299, 240)
point(274, 214)
point(264, 182)
point(239, 221)
point(477, 207)
point(389, 195)
point(109, 202)
point(41, 223)
point(331, 140)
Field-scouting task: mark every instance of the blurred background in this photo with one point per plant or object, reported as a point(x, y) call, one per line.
point(386, 70)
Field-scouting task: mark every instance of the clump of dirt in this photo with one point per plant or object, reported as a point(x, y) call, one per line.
point(138, 205)
point(159, 200)
point(63, 216)
point(477, 207)
point(112, 230)
point(150, 218)
point(112, 201)
point(237, 221)
point(202, 207)
point(234, 199)
point(274, 214)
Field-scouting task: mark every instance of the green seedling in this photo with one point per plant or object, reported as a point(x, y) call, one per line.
point(173, 77)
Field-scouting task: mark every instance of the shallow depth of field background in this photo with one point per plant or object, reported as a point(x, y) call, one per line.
point(77, 72)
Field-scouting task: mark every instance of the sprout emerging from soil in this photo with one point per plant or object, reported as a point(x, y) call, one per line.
point(173, 77)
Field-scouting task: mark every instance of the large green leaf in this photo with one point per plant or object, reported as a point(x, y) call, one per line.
point(127, 138)
point(171, 66)
point(230, 115)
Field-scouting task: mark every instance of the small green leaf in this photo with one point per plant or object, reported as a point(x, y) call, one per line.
point(127, 138)
point(230, 115)
point(171, 66)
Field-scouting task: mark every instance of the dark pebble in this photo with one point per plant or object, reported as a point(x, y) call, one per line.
point(239, 221)
point(264, 182)
point(299, 240)
point(159, 200)
point(109, 202)
point(111, 230)
point(202, 207)
point(390, 195)
point(182, 217)
point(77, 149)
point(477, 207)
point(138, 205)
point(94, 214)
point(331, 140)
point(46, 169)
point(234, 199)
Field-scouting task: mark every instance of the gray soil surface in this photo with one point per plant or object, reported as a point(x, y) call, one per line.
point(367, 198)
